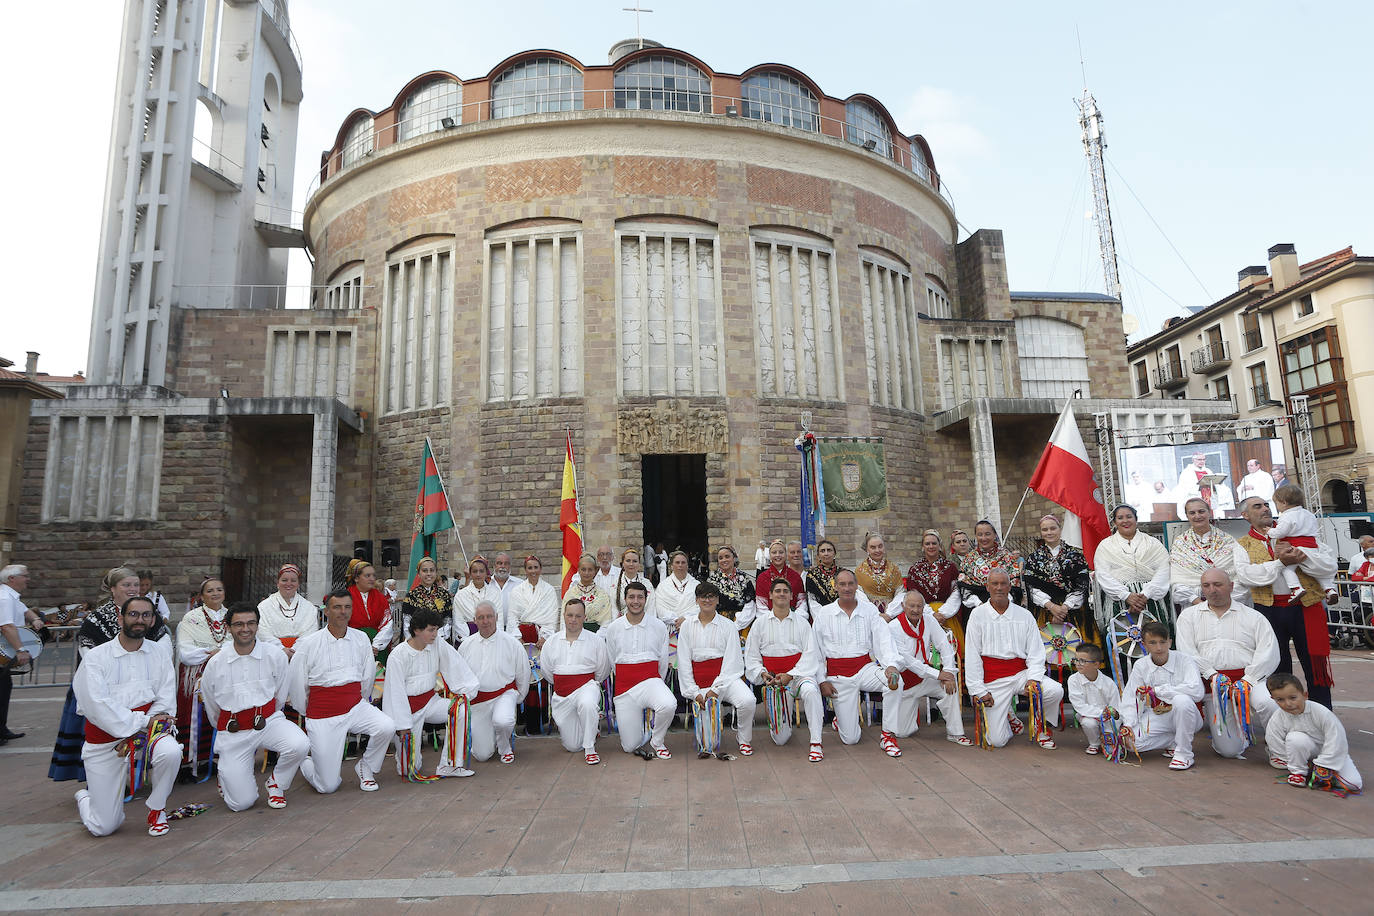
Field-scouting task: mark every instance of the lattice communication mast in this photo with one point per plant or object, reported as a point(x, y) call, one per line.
point(1090, 120)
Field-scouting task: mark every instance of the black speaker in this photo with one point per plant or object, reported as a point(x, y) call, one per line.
point(391, 551)
point(362, 550)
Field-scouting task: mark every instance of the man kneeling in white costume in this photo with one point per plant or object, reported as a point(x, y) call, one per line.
point(426, 681)
point(502, 668)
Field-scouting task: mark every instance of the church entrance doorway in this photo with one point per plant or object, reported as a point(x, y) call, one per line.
point(675, 503)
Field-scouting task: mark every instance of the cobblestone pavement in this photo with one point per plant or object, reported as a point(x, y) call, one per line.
point(959, 829)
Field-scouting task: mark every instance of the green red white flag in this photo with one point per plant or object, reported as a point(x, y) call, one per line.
point(570, 520)
point(432, 513)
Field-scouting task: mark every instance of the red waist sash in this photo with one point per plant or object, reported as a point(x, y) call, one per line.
point(420, 700)
point(631, 674)
point(529, 633)
point(288, 641)
point(705, 671)
point(484, 695)
point(97, 735)
point(565, 684)
point(1234, 674)
point(245, 716)
point(1300, 540)
point(845, 667)
point(994, 669)
point(328, 702)
point(910, 678)
point(780, 664)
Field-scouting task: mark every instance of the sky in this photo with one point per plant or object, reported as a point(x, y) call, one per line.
point(1230, 126)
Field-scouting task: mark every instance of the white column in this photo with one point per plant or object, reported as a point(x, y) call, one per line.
point(324, 453)
point(985, 495)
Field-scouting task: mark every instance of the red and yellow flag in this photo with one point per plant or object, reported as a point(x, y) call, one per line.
point(432, 513)
point(569, 520)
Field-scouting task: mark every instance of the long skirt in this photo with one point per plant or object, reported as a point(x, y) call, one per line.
point(71, 735)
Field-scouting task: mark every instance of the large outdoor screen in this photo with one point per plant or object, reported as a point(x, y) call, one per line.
point(1156, 480)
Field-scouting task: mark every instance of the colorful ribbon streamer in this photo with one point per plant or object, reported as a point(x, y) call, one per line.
point(708, 726)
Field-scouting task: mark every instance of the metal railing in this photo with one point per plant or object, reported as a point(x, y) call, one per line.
point(554, 103)
point(216, 161)
point(275, 10)
point(1253, 340)
point(1206, 358)
point(279, 216)
point(1351, 619)
point(250, 295)
point(1170, 375)
point(1259, 396)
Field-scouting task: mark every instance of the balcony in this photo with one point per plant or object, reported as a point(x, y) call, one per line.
point(1170, 376)
point(1253, 340)
point(1211, 357)
point(1259, 398)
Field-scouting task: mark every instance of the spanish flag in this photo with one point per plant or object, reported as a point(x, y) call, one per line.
point(432, 513)
point(569, 520)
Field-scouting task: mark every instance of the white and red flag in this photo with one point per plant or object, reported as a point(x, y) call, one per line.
point(1065, 476)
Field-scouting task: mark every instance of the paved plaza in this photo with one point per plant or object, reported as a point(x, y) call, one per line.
point(944, 828)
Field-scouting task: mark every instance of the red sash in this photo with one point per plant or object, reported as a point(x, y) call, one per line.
point(529, 633)
point(1300, 540)
point(780, 664)
point(845, 667)
point(629, 675)
point(419, 700)
point(328, 702)
point(245, 716)
point(706, 671)
point(565, 684)
point(288, 641)
point(910, 678)
point(484, 695)
point(97, 735)
point(1234, 674)
point(994, 669)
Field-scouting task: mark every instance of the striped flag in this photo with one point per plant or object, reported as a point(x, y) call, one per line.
point(432, 513)
point(1065, 476)
point(570, 520)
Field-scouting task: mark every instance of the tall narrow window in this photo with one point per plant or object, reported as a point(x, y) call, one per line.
point(796, 330)
point(345, 289)
point(102, 467)
point(358, 141)
point(417, 329)
point(890, 334)
point(669, 301)
point(937, 303)
point(864, 125)
point(534, 316)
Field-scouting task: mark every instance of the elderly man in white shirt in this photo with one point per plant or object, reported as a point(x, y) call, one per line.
point(916, 637)
point(332, 674)
point(781, 652)
point(606, 571)
point(575, 661)
point(638, 647)
point(13, 580)
point(124, 688)
point(1237, 643)
point(503, 678)
point(244, 691)
point(858, 656)
point(710, 665)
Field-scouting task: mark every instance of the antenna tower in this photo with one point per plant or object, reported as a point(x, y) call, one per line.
point(1090, 120)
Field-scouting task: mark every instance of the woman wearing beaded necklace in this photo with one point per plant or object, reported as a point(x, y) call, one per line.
point(1056, 579)
point(879, 578)
point(1202, 547)
point(201, 634)
point(987, 554)
point(286, 614)
point(820, 578)
point(583, 587)
point(736, 591)
point(631, 570)
point(937, 579)
point(429, 593)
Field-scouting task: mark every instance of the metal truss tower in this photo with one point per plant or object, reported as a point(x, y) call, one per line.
point(1094, 142)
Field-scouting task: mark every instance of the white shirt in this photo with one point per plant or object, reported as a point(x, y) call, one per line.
point(649, 607)
point(1320, 564)
point(497, 660)
point(11, 607)
point(322, 660)
point(412, 672)
point(1090, 698)
point(160, 602)
point(466, 600)
point(1010, 634)
point(112, 681)
point(282, 619)
point(195, 639)
point(1317, 722)
point(235, 682)
point(607, 579)
point(536, 604)
point(676, 598)
point(1239, 638)
point(1256, 483)
point(779, 639)
point(761, 558)
point(584, 655)
point(935, 638)
point(1175, 681)
point(841, 635)
point(699, 642)
point(634, 643)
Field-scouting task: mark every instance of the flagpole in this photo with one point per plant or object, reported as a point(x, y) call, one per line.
point(448, 505)
point(577, 491)
point(1006, 531)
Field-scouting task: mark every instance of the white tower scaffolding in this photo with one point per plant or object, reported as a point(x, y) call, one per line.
point(1094, 142)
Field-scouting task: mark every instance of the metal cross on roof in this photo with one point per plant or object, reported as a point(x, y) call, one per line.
point(637, 9)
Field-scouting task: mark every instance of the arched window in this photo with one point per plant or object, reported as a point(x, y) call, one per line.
point(426, 107)
point(919, 164)
point(780, 99)
point(1053, 358)
point(661, 83)
point(358, 141)
point(533, 86)
point(863, 124)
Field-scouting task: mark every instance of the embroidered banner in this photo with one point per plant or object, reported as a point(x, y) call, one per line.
point(854, 473)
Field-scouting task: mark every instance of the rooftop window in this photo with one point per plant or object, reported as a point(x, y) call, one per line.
point(660, 83)
point(780, 99)
point(864, 125)
point(426, 107)
point(535, 86)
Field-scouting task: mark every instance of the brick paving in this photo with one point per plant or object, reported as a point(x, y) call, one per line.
point(956, 828)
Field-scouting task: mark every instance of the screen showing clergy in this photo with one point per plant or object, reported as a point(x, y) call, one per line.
point(1158, 480)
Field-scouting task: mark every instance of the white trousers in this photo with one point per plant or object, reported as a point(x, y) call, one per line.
point(629, 713)
point(1227, 738)
point(435, 712)
point(107, 776)
point(741, 696)
point(493, 721)
point(806, 692)
point(1173, 730)
point(1298, 750)
point(900, 708)
point(578, 716)
point(846, 700)
point(328, 737)
point(238, 751)
point(1006, 689)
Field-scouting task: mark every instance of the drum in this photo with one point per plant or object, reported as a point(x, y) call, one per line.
point(28, 642)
